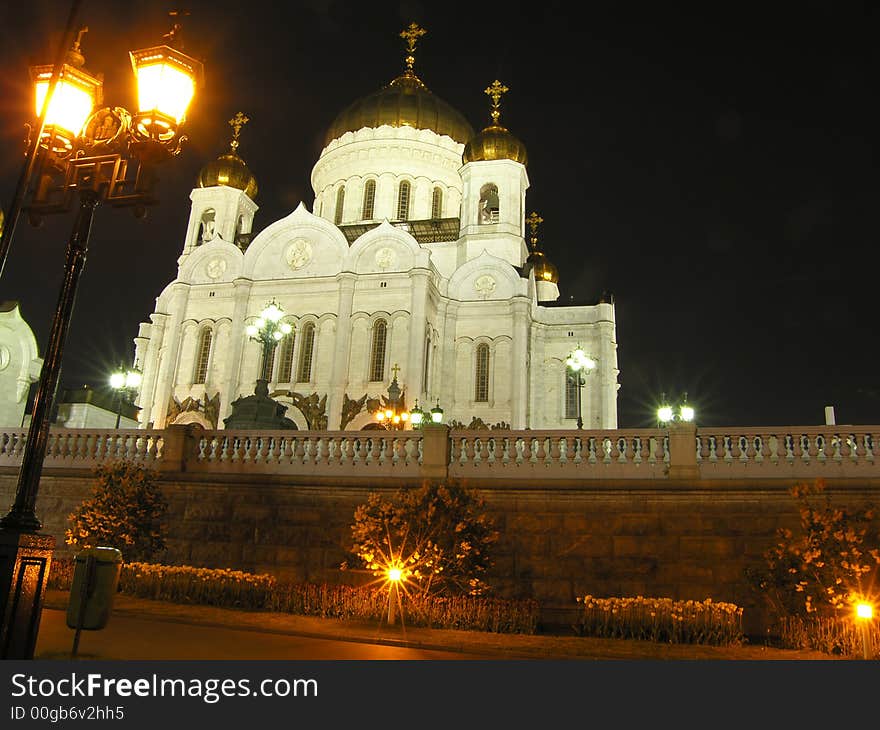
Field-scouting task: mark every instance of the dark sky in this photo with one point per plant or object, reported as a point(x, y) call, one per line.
point(713, 166)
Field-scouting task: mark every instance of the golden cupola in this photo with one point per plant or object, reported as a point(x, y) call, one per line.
point(495, 142)
point(537, 261)
point(405, 102)
point(229, 169)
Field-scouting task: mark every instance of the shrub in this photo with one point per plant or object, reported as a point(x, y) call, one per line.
point(437, 535)
point(126, 511)
point(662, 620)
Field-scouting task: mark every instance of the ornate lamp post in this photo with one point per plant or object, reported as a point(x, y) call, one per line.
point(85, 157)
point(124, 381)
point(669, 415)
point(578, 363)
point(268, 330)
point(394, 416)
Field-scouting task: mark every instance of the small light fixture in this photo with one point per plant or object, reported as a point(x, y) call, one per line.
point(416, 416)
point(437, 414)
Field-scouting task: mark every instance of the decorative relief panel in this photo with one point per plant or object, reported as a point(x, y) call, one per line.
point(298, 254)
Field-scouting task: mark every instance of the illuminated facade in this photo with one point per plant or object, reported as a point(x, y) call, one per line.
point(418, 254)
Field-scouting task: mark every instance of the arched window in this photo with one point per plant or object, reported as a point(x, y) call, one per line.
point(304, 371)
point(489, 203)
point(207, 229)
point(203, 352)
point(340, 202)
point(571, 393)
point(285, 358)
point(403, 201)
point(377, 351)
point(369, 200)
point(437, 203)
point(481, 374)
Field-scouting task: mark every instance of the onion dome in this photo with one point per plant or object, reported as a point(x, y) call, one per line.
point(537, 261)
point(495, 142)
point(229, 169)
point(405, 102)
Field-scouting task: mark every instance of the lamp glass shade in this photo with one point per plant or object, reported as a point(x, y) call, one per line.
point(437, 414)
point(117, 380)
point(132, 379)
point(73, 100)
point(416, 417)
point(664, 414)
point(166, 81)
point(687, 413)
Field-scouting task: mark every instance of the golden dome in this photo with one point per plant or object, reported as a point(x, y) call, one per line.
point(495, 143)
point(405, 102)
point(229, 169)
point(544, 270)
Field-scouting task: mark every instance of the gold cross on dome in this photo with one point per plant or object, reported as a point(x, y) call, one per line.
point(411, 35)
point(534, 220)
point(237, 122)
point(495, 92)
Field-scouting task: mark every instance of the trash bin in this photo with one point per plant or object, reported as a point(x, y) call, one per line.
point(95, 578)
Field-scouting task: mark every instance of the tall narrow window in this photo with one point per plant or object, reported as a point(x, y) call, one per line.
point(304, 371)
point(285, 359)
point(437, 203)
point(377, 351)
point(203, 352)
point(481, 376)
point(369, 200)
point(403, 201)
point(426, 374)
point(340, 202)
point(571, 394)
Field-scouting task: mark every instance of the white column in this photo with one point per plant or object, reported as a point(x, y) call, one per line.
point(342, 351)
point(169, 352)
point(519, 381)
point(416, 361)
point(151, 365)
point(230, 381)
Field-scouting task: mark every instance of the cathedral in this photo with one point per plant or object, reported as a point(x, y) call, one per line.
point(418, 267)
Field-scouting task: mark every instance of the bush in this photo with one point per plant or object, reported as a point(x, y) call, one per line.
point(437, 535)
point(126, 511)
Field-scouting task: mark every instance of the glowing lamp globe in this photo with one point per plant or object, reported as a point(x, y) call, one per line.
point(133, 379)
point(75, 97)
point(864, 611)
point(286, 328)
point(664, 414)
point(166, 80)
point(395, 574)
point(117, 380)
point(687, 413)
point(251, 330)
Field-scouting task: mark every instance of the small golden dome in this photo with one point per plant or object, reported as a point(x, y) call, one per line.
point(229, 169)
point(544, 270)
point(495, 143)
point(405, 102)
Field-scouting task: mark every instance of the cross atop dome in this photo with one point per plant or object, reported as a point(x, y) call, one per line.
point(237, 122)
point(534, 220)
point(495, 92)
point(411, 35)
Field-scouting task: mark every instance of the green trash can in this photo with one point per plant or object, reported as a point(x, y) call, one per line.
point(95, 579)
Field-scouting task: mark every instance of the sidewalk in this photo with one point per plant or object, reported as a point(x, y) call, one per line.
point(157, 619)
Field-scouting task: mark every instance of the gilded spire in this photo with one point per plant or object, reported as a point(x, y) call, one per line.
point(237, 122)
point(411, 35)
point(534, 220)
point(495, 92)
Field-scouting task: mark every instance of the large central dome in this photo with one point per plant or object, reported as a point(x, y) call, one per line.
point(405, 102)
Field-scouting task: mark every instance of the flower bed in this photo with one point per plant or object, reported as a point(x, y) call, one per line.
point(254, 592)
point(662, 620)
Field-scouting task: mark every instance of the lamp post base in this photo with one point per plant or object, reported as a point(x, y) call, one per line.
point(25, 558)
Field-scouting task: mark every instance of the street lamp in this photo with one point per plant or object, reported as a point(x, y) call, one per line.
point(579, 362)
point(864, 614)
point(393, 416)
point(416, 415)
point(437, 413)
point(268, 330)
point(104, 155)
point(124, 381)
point(667, 414)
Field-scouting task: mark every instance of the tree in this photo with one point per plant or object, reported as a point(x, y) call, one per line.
point(825, 567)
point(438, 535)
point(126, 511)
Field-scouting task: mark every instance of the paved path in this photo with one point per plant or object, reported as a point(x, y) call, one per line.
point(135, 637)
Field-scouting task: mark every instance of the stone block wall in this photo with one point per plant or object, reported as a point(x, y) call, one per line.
point(685, 541)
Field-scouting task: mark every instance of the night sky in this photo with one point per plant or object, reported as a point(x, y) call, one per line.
point(714, 167)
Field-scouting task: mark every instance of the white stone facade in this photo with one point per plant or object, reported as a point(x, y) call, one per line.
point(444, 303)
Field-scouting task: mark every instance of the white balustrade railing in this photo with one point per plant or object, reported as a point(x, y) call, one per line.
point(719, 453)
point(808, 452)
point(83, 447)
point(310, 451)
point(633, 453)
